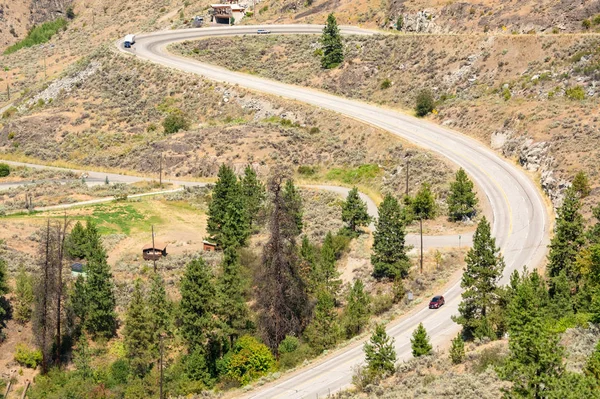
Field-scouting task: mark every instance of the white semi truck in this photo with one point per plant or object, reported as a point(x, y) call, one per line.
point(129, 41)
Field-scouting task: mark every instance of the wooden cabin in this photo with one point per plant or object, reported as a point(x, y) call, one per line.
point(155, 252)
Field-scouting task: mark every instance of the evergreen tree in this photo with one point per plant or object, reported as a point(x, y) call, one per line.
point(91, 241)
point(561, 304)
point(76, 242)
point(354, 211)
point(197, 304)
point(100, 317)
point(138, 332)
point(423, 205)
point(535, 358)
point(462, 201)
point(3, 291)
point(254, 194)
point(293, 207)
point(309, 265)
point(282, 301)
point(380, 354)
point(160, 310)
point(357, 311)
point(329, 273)
point(324, 330)
point(457, 350)
point(333, 49)
point(480, 283)
point(228, 222)
point(79, 301)
point(24, 296)
point(420, 342)
point(581, 184)
point(389, 257)
point(568, 238)
point(232, 304)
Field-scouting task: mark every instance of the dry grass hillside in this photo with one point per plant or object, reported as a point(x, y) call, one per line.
point(534, 98)
point(112, 116)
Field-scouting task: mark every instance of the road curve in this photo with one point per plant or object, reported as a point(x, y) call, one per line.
point(520, 220)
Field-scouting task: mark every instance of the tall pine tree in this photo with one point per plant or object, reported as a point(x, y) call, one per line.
point(389, 257)
point(160, 309)
point(100, 316)
point(462, 201)
point(356, 313)
point(228, 221)
point(232, 304)
point(138, 332)
point(24, 296)
point(535, 358)
point(329, 274)
point(324, 330)
point(197, 304)
point(333, 49)
point(292, 205)
point(480, 283)
point(254, 194)
point(423, 205)
point(354, 211)
point(568, 238)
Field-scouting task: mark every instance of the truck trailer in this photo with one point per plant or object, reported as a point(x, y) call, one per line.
point(129, 41)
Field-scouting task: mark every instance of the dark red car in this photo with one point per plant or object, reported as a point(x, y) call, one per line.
point(436, 302)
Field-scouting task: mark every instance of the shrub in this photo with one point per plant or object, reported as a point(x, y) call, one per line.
point(38, 35)
point(457, 351)
point(424, 103)
point(581, 184)
point(9, 112)
point(489, 357)
point(506, 94)
point(4, 170)
point(596, 20)
point(586, 24)
point(175, 121)
point(28, 357)
point(249, 14)
point(119, 371)
point(289, 344)
point(291, 359)
point(400, 22)
point(248, 360)
point(386, 84)
point(70, 13)
point(575, 93)
point(382, 303)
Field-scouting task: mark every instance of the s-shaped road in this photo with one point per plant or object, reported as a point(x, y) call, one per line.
point(520, 219)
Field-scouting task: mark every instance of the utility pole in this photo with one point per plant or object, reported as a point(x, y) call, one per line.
point(407, 178)
point(153, 250)
point(161, 367)
point(421, 225)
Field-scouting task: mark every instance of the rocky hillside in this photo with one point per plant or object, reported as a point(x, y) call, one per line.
point(435, 16)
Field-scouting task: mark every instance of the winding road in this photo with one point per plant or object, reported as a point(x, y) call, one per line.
point(520, 220)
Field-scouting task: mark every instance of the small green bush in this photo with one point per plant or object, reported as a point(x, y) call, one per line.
point(506, 94)
point(386, 84)
point(596, 20)
point(382, 303)
point(119, 371)
point(400, 22)
point(489, 357)
point(575, 93)
point(424, 103)
point(289, 344)
point(361, 174)
point(586, 24)
point(28, 357)
point(4, 170)
point(175, 121)
point(9, 112)
point(70, 13)
point(292, 359)
point(248, 360)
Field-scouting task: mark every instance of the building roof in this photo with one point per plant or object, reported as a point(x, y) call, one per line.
point(157, 245)
point(208, 242)
point(129, 38)
point(234, 7)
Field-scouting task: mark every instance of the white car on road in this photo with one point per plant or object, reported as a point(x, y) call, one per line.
point(263, 32)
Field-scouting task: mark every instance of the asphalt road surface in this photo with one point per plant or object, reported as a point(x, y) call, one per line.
point(520, 219)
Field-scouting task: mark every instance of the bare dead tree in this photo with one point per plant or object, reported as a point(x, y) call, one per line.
point(43, 321)
point(281, 295)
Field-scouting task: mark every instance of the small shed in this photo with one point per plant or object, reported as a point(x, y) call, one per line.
point(154, 252)
point(209, 246)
